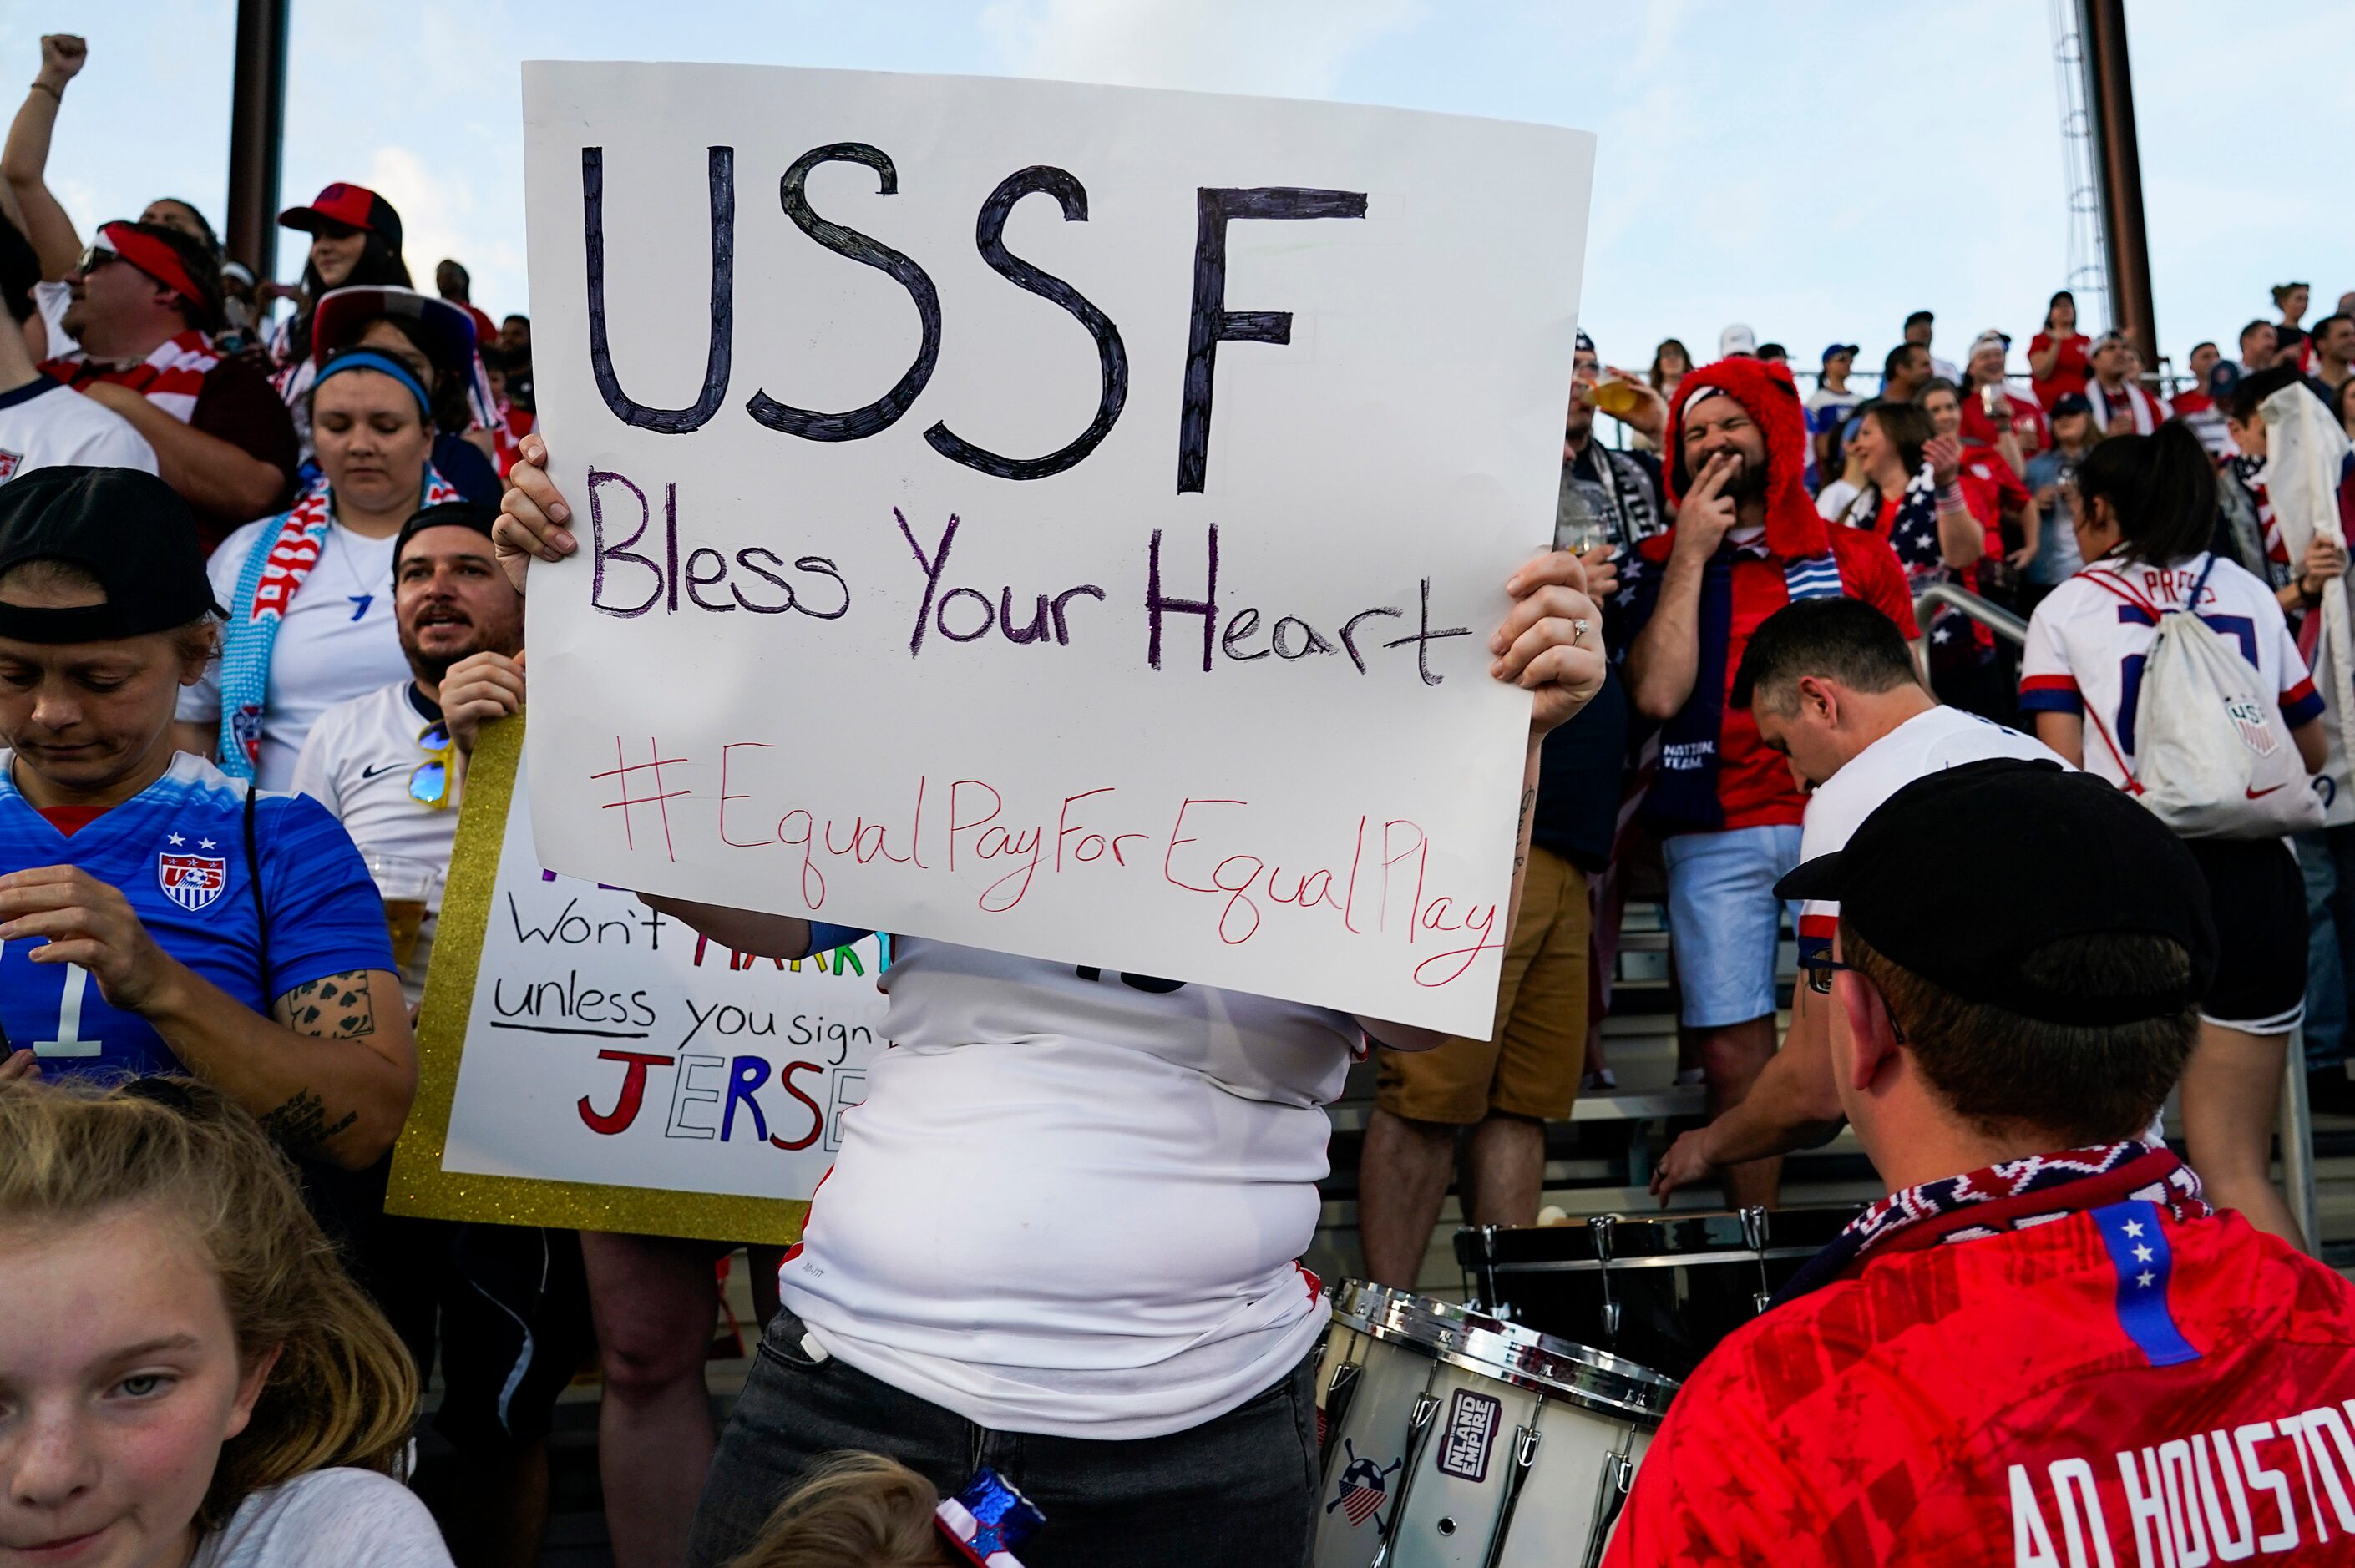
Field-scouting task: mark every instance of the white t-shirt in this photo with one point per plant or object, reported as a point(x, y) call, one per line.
point(1927, 743)
point(2086, 647)
point(338, 641)
point(357, 762)
point(352, 1519)
point(1073, 1200)
point(45, 423)
point(53, 297)
point(1834, 500)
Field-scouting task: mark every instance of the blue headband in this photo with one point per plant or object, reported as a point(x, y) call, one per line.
point(384, 364)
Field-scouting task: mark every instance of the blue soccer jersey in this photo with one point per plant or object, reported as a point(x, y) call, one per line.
point(177, 851)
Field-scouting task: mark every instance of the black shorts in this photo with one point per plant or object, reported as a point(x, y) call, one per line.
point(507, 1307)
point(2258, 900)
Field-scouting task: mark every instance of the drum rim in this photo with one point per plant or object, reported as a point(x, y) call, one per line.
point(1511, 1352)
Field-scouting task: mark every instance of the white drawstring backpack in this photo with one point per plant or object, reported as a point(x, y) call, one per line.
point(2214, 756)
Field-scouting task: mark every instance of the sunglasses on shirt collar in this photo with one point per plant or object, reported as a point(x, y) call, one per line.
point(429, 782)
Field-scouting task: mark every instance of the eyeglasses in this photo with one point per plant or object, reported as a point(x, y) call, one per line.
point(93, 257)
point(429, 784)
point(1819, 973)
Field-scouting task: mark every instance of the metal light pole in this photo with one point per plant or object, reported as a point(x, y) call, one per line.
point(257, 134)
point(2118, 165)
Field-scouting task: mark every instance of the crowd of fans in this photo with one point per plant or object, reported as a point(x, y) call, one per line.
point(342, 447)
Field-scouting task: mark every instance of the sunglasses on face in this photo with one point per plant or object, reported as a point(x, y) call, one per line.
point(429, 783)
point(93, 257)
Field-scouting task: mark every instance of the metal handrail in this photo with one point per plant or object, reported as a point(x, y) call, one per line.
point(1994, 617)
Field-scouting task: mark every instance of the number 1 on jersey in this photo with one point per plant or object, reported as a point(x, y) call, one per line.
point(70, 1042)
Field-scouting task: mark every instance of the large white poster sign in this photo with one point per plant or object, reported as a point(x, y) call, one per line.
point(1066, 520)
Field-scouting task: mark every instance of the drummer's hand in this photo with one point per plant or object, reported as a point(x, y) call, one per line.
point(534, 521)
point(1686, 1161)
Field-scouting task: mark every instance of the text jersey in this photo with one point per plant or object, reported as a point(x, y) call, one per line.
point(1072, 1200)
point(176, 851)
point(2086, 647)
point(1929, 742)
point(2115, 1389)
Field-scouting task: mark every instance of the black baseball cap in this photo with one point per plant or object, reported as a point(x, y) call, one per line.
point(128, 529)
point(2071, 403)
point(1961, 876)
point(447, 514)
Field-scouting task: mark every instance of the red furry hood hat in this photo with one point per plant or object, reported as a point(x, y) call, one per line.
point(1794, 530)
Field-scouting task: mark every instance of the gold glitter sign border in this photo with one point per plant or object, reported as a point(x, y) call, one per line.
point(420, 1186)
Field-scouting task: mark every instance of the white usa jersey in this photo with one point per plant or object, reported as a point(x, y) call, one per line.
point(2089, 638)
point(1072, 1200)
point(1927, 743)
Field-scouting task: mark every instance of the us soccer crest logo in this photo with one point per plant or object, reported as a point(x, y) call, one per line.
point(191, 881)
point(1363, 1488)
point(2248, 718)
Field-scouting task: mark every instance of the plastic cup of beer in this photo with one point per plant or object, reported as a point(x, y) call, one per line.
point(1616, 397)
point(407, 887)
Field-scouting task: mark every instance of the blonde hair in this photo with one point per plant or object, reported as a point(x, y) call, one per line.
point(854, 1511)
point(344, 1390)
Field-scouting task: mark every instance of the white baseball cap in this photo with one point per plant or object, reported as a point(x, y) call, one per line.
point(1736, 339)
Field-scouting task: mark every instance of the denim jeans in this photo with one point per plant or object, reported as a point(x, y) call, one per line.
point(2327, 859)
point(1236, 1492)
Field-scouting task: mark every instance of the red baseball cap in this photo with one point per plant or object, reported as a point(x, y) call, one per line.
point(156, 259)
point(353, 207)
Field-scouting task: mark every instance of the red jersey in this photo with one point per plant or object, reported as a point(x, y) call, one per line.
point(2071, 367)
point(2118, 1386)
point(1753, 784)
point(2027, 423)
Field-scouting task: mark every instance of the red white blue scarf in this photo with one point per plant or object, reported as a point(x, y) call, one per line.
point(2010, 1196)
point(266, 586)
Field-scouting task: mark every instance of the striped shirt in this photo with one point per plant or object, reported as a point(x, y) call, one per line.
point(172, 377)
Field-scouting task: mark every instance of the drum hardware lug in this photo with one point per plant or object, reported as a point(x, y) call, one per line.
point(1426, 1411)
point(1337, 1395)
point(1753, 1231)
point(1609, 1497)
point(1486, 1273)
point(1525, 1456)
point(1754, 1228)
point(1600, 1228)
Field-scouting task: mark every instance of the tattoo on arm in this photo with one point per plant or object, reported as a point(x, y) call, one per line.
point(338, 1007)
point(301, 1123)
point(1521, 836)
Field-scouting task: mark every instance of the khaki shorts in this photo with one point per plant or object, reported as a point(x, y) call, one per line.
point(1532, 1067)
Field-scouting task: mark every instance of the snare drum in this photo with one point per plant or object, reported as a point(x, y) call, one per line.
point(1661, 1290)
point(1456, 1440)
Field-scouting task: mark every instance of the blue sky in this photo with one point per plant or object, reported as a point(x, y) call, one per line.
point(1816, 170)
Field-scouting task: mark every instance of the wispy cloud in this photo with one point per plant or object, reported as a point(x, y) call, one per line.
point(1292, 48)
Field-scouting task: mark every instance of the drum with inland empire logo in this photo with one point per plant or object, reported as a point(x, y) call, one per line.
point(1454, 1439)
point(1660, 1289)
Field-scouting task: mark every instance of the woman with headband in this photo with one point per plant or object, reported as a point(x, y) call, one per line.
point(310, 591)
